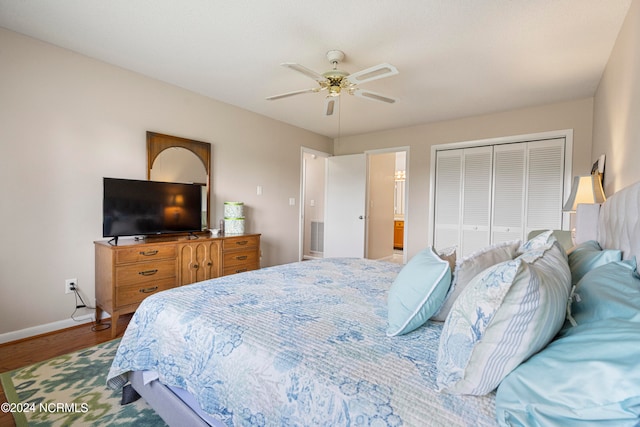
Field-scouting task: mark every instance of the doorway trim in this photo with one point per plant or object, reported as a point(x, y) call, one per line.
point(301, 217)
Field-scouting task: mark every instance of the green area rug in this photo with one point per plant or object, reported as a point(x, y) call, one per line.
point(71, 390)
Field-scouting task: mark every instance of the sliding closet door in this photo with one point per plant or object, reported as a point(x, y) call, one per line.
point(545, 185)
point(448, 197)
point(496, 193)
point(508, 192)
point(477, 170)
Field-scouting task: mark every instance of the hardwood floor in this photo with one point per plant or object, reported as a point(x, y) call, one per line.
point(31, 350)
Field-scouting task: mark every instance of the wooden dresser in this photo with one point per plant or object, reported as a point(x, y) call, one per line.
point(134, 269)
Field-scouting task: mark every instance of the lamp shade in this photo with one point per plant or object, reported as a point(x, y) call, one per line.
point(585, 189)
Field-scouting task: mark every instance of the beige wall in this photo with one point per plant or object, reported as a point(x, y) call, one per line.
point(616, 127)
point(576, 115)
point(66, 121)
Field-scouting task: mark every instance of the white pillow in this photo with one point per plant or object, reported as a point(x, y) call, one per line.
point(449, 255)
point(539, 241)
point(506, 314)
point(467, 268)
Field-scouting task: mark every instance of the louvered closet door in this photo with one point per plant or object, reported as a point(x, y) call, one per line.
point(476, 198)
point(508, 192)
point(497, 193)
point(545, 184)
point(448, 196)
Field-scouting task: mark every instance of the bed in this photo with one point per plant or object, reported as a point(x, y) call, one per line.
point(309, 343)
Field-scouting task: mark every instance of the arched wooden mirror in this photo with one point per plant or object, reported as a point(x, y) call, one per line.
point(175, 159)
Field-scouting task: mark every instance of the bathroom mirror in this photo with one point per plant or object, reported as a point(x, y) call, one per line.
point(175, 159)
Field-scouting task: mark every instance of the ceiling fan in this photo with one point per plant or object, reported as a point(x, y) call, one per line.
point(336, 81)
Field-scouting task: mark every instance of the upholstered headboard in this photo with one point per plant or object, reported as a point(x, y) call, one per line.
point(615, 224)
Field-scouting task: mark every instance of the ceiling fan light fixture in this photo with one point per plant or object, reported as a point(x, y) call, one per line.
point(335, 74)
point(335, 56)
point(374, 96)
point(335, 81)
point(376, 73)
point(330, 106)
point(373, 73)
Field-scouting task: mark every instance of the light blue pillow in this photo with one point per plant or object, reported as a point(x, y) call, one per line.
point(507, 313)
point(590, 377)
point(418, 292)
point(587, 256)
point(609, 291)
point(590, 373)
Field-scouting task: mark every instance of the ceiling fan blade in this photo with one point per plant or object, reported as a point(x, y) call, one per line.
point(373, 73)
point(331, 104)
point(285, 95)
point(373, 96)
point(304, 70)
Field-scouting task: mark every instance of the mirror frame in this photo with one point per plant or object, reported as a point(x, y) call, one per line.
point(157, 143)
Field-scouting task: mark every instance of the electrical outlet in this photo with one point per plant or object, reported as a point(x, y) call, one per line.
point(70, 285)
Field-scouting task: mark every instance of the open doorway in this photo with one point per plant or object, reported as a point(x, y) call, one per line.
point(399, 206)
point(384, 203)
point(312, 207)
point(386, 208)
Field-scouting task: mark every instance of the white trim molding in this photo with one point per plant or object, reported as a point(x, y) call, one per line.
point(49, 327)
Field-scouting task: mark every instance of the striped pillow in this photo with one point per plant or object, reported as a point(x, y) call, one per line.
point(507, 313)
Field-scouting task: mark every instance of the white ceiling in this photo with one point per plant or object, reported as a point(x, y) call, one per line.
point(456, 58)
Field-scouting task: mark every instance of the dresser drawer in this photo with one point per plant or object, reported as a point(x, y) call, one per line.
point(146, 253)
point(135, 293)
point(145, 272)
point(239, 268)
point(240, 242)
point(240, 258)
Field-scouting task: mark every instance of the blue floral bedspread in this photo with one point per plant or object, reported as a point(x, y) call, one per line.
point(300, 344)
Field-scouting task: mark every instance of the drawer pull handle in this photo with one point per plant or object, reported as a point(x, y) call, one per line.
point(242, 257)
point(241, 270)
point(148, 272)
point(148, 253)
point(148, 290)
point(242, 242)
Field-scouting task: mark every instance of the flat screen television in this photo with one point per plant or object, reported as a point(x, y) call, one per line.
point(141, 208)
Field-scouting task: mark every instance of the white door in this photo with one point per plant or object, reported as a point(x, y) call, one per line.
point(463, 199)
point(476, 198)
point(545, 185)
point(344, 223)
point(509, 189)
point(448, 198)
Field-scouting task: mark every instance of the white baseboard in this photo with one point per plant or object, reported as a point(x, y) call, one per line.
point(48, 327)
